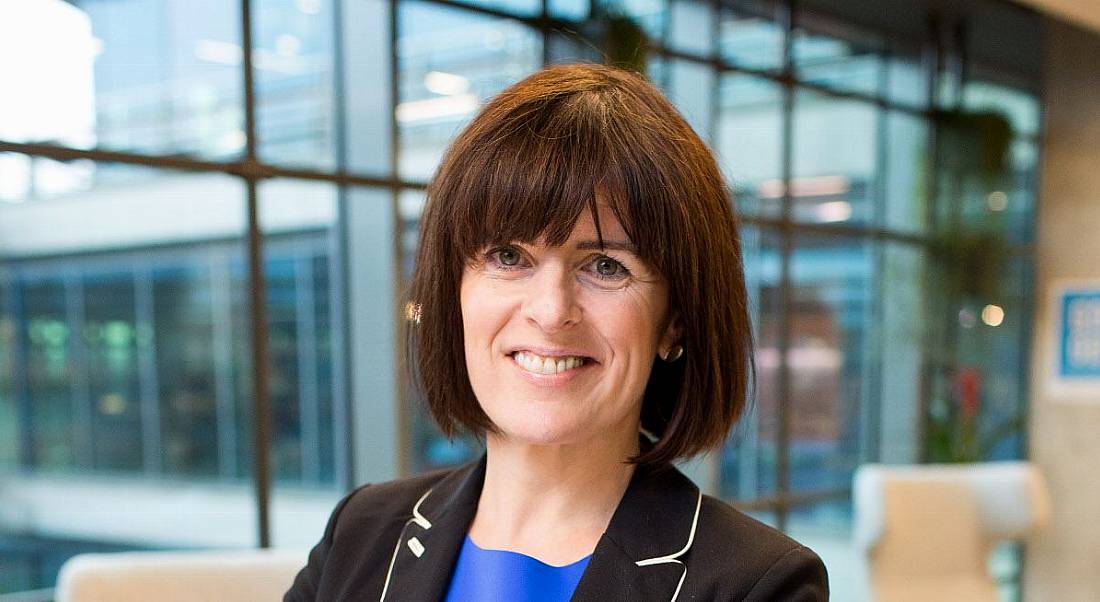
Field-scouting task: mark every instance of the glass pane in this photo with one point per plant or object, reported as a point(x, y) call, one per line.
point(189, 324)
point(9, 410)
point(750, 35)
point(306, 334)
point(111, 346)
point(58, 409)
point(750, 142)
point(691, 87)
point(112, 313)
point(526, 8)
point(145, 75)
point(691, 27)
point(836, 55)
point(905, 173)
point(834, 158)
point(900, 334)
point(299, 222)
point(450, 62)
point(906, 78)
point(293, 61)
point(748, 469)
point(832, 287)
point(573, 10)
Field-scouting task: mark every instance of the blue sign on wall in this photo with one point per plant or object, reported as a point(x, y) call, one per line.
point(1079, 343)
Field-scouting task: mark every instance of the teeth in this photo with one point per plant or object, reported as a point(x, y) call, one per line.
point(546, 365)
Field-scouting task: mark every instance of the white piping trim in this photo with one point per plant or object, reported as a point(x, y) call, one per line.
point(418, 519)
point(687, 546)
point(396, 549)
point(673, 558)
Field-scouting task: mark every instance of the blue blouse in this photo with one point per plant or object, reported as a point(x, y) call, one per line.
point(501, 575)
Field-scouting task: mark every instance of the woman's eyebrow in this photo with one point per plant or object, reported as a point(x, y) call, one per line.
point(614, 245)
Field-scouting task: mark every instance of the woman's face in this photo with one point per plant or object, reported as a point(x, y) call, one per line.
point(560, 341)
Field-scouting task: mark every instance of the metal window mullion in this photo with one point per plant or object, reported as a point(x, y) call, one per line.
point(257, 298)
point(785, 302)
point(148, 382)
point(339, 305)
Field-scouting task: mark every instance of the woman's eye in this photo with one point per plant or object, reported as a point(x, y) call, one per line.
point(506, 257)
point(606, 267)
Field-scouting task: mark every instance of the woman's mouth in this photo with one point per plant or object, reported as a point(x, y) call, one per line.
point(538, 364)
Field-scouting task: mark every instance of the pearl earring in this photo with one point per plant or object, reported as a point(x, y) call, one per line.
point(674, 353)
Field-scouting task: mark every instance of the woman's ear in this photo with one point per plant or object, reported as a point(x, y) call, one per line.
point(671, 336)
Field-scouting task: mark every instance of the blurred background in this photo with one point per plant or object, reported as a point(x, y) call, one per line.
point(208, 212)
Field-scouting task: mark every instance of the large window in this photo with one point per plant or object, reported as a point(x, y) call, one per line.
point(128, 180)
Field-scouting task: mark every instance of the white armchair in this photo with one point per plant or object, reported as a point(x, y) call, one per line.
point(925, 531)
point(244, 575)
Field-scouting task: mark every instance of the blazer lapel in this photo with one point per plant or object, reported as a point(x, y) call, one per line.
point(432, 537)
point(642, 555)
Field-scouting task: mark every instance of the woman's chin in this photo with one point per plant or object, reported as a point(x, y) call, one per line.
point(536, 430)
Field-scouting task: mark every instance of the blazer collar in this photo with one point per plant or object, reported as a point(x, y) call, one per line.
point(639, 557)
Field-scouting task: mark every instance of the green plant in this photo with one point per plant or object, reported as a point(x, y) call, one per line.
point(966, 271)
point(974, 143)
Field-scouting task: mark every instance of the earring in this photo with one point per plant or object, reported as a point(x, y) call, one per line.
point(674, 353)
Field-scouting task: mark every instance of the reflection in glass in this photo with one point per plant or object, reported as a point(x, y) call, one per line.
point(750, 142)
point(528, 8)
point(831, 280)
point(451, 61)
point(188, 366)
point(835, 55)
point(749, 458)
point(111, 342)
point(118, 369)
point(144, 76)
point(905, 172)
point(834, 159)
point(9, 413)
point(750, 35)
point(906, 78)
point(58, 410)
point(294, 79)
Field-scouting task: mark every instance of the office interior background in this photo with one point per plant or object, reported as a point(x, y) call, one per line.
point(156, 163)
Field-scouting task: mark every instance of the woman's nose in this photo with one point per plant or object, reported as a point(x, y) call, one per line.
point(551, 302)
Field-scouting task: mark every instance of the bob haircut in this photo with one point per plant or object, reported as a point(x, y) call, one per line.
point(533, 159)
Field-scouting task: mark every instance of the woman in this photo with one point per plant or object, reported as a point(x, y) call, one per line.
point(579, 301)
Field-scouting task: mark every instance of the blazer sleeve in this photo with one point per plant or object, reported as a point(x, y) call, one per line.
point(308, 580)
point(798, 576)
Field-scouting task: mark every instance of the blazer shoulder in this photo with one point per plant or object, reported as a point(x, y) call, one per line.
point(745, 559)
point(357, 542)
point(389, 500)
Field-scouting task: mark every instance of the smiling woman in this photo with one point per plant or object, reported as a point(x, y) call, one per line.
point(580, 303)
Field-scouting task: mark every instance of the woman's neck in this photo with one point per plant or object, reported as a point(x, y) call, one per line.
point(552, 502)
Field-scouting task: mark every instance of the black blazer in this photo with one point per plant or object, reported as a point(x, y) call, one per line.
point(666, 542)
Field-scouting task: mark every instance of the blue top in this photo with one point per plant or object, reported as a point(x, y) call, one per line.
point(501, 575)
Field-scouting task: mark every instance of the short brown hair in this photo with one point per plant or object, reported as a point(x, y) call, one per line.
point(534, 158)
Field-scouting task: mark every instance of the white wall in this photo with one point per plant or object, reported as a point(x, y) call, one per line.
point(1063, 562)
